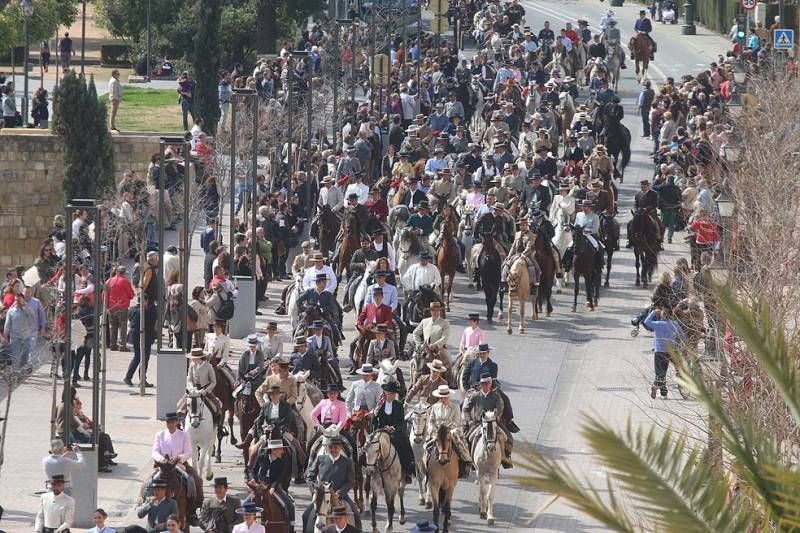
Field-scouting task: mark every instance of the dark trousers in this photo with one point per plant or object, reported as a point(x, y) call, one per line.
point(645, 121)
point(137, 357)
point(661, 364)
point(186, 110)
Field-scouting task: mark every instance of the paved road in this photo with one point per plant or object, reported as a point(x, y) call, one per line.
point(563, 366)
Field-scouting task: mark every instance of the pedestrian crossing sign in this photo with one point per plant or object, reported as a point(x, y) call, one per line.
point(784, 39)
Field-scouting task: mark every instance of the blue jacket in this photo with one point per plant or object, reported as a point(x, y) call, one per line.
point(643, 25)
point(472, 372)
point(666, 333)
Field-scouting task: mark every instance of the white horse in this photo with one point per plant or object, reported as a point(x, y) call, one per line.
point(360, 295)
point(386, 476)
point(614, 63)
point(487, 454)
point(562, 239)
point(533, 99)
point(291, 305)
point(466, 235)
point(477, 126)
point(419, 423)
point(306, 400)
point(408, 250)
point(201, 431)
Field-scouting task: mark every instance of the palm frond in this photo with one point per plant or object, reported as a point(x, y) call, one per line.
point(787, 493)
point(669, 480)
point(768, 344)
point(547, 475)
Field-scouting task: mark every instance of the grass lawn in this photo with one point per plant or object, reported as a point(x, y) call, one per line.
point(144, 109)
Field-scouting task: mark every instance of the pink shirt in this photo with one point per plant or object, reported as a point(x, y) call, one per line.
point(327, 411)
point(176, 444)
point(472, 337)
point(475, 198)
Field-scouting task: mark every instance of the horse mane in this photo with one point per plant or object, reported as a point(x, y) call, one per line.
point(442, 434)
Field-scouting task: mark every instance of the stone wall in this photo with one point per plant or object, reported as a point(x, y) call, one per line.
point(31, 172)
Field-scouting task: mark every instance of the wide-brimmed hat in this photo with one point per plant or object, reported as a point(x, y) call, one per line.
point(339, 510)
point(425, 254)
point(274, 388)
point(59, 478)
point(335, 439)
point(391, 385)
point(317, 256)
point(484, 348)
point(196, 353)
point(321, 277)
point(249, 508)
point(596, 183)
point(437, 366)
point(442, 391)
point(333, 387)
point(171, 416)
point(220, 481)
point(381, 328)
point(367, 370)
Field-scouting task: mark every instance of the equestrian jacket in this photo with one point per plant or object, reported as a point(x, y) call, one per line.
point(268, 415)
point(339, 473)
point(472, 372)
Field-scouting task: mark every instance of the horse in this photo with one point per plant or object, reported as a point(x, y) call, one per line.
point(217, 521)
point(642, 49)
point(614, 65)
point(178, 491)
point(408, 250)
point(643, 234)
point(418, 417)
point(519, 286)
point(442, 476)
point(487, 454)
point(223, 390)
point(202, 433)
point(609, 235)
point(323, 500)
point(358, 424)
point(489, 265)
point(562, 239)
point(543, 255)
point(308, 396)
point(447, 262)
point(295, 291)
point(324, 229)
point(567, 111)
point(618, 142)
point(247, 410)
point(386, 476)
point(273, 516)
point(466, 236)
point(351, 237)
point(585, 263)
point(418, 306)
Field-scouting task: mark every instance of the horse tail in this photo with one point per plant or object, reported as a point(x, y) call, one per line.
point(626, 149)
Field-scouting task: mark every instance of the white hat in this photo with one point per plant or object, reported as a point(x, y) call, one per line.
point(443, 391)
point(367, 369)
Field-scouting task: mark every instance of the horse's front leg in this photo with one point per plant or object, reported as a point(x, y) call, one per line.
point(636, 256)
point(481, 496)
point(373, 506)
point(401, 493)
point(231, 434)
point(510, 312)
point(389, 512)
point(577, 283)
point(218, 452)
point(490, 483)
point(522, 304)
point(609, 254)
point(589, 292)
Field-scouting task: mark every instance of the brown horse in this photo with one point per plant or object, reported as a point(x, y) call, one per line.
point(447, 261)
point(641, 50)
point(643, 234)
point(519, 286)
point(360, 353)
point(442, 471)
point(543, 255)
point(324, 228)
point(177, 490)
point(274, 516)
point(247, 409)
point(224, 393)
point(359, 428)
point(351, 235)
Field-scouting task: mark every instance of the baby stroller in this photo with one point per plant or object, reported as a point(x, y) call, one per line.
point(668, 13)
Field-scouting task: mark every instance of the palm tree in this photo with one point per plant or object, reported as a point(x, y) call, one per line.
point(669, 484)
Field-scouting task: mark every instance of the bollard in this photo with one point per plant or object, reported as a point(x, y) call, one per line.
point(171, 366)
point(688, 27)
point(243, 322)
point(83, 487)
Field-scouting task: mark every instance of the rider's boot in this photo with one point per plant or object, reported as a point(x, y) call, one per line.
point(246, 442)
point(281, 310)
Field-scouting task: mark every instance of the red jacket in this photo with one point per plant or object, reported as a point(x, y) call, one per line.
point(372, 314)
point(378, 208)
point(120, 292)
point(706, 231)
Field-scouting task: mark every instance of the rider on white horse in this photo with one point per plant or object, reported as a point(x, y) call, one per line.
point(201, 376)
point(614, 40)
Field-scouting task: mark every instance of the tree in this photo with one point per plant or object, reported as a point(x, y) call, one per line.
point(48, 16)
point(206, 64)
point(81, 122)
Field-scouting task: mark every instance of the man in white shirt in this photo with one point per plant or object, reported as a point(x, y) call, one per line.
point(422, 273)
point(358, 188)
point(171, 262)
point(115, 96)
point(364, 393)
point(310, 277)
point(57, 510)
point(58, 464)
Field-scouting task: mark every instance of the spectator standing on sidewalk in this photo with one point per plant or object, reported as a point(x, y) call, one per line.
point(134, 336)
point(186, 97)
point(224, 92)
point(57, 463)
point(20, 332)
point(56, 510)
point(115, 96)
point(667, 333)
point(118, 299)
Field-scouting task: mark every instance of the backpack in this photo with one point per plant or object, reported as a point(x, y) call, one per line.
point(226, 308)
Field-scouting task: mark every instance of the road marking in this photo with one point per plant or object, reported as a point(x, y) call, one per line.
point(595, 29)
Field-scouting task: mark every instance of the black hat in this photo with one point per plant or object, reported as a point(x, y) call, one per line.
point(300, 341)
point(222, 480)
point(483, 348)
point(56, 478)
point(425, 255)
point(249, 508)
point(339, 510)
point(391, 386)
point(333, 387)
point(474, 316)
point(376, 232)
point(318, 324)
point(382, 327)
point(381, 274)
point(321, 277)
point(171, 416)
point(352, 196)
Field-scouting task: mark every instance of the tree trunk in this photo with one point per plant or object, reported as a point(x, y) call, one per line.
point(266, 26)
point(206, 65)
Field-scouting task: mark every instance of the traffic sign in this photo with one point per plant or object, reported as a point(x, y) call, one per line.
point(440, 25)
point(439, 7)
point(784, 39)
point(748, 5)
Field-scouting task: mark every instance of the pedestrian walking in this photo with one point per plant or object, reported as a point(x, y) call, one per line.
point(66, 51)
point(40, 112)
point(134, 337)
point(119, 293)
point(186, 97)
point(20, 332)
point(44, 55)
point(667, 334)
point(115, 96)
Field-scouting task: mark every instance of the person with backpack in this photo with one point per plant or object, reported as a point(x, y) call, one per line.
point(220, 304)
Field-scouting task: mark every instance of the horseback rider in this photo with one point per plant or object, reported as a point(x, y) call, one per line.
point(643, 25)
point(321, 347)
point(543, 225)
point(647, 199)
point(444, 413)
point(590, 223)
point(600, 165)
point(330, 411)
point(286, 381)
point(424, 387)
point(389, 291)
point(364, 395)
point(219, 349)
point(202, 378)
point(486, 399)
point(383, 248)
point(303, 261)
point(421, 223)
point(603, 200)
point(251, 364)
point(304, 360)
point(473, 335)
point(271, 469)
point(220, 501)
point(422, 274)
point(380, 347)
point(433, 333)
point(614, 40)
point(276, 413)
point(523, 245)
point(337, 469)
point(311, 275)
point(358, 266)
point(172, 445)
point(389, 414)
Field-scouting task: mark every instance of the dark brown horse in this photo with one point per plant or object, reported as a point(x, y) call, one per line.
point(360, 354)
point(641, 49)
point(447, 261)
point(274, 516)
point(609, 234)
point(547, 263)
point(585, 263)
point(324, 228)
point(177, 490)
point(359, 427)
point(224, 393)
point(247, 409)
point(351, 235)
point(643, 234)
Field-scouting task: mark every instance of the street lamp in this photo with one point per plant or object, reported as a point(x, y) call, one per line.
point(339, 23)
point(27, 10)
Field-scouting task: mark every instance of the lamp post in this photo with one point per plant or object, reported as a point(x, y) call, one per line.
point(336, 79)
point(353, 68)
point(147, 53)
point(83, 38)
point(27, 10)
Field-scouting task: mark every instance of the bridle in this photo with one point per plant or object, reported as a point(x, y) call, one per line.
point(443, 455)
point(195, 417)
point(418, 422)
point(489, 433)
point(374, 439)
